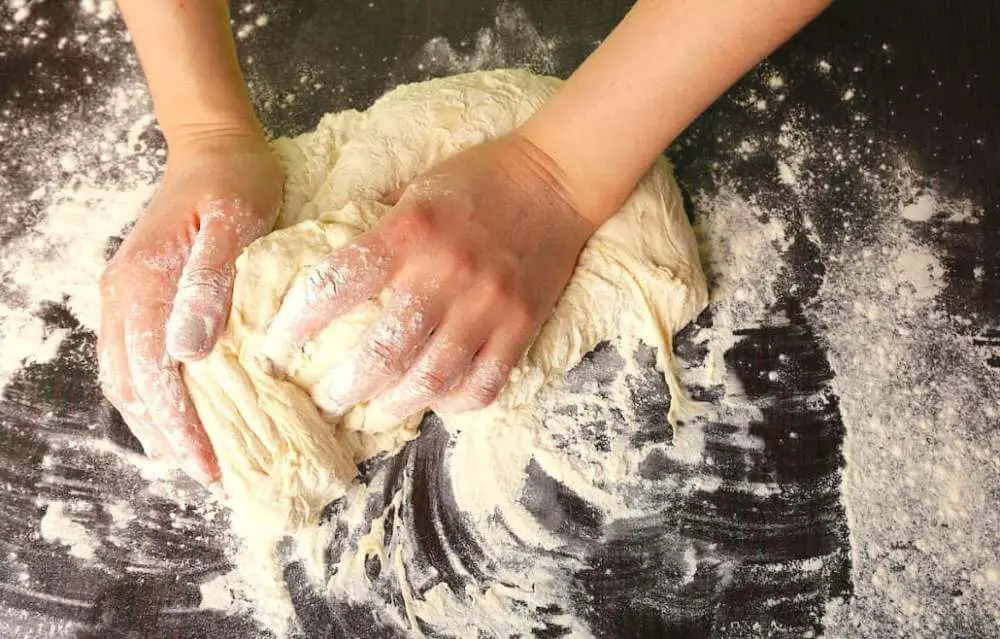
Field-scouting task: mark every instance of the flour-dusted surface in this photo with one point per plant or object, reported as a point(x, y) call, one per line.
point(851, 246)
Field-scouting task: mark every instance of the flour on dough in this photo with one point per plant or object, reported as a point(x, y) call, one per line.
point(282, 461)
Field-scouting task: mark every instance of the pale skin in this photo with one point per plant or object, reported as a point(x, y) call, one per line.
point(473, 275)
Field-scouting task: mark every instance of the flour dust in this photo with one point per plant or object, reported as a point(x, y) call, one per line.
point(918, 400)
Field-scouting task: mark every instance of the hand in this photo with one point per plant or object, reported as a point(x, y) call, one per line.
point(165, 296)
point(475, 253)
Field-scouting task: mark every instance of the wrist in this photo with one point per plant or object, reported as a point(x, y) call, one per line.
point(208, 135)
point(594, 192)
point(183, 119)
point(542, 168)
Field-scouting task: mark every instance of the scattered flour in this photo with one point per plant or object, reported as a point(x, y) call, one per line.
point(512, 40)
point(919, 402)
point(57, 526)
point(20, 10)
point(740, 250)
point(122, 513)
point(78, 206)
point(921, 209)
point(926, 204)
point(921, 407)
point(24, 340)
point(217, 594)
point(102, 10)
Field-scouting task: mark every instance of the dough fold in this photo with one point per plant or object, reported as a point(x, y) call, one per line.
point(282, 461)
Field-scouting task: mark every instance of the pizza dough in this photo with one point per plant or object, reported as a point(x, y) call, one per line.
point(282, 461)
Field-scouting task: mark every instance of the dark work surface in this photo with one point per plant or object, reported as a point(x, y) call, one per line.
point(944, 53)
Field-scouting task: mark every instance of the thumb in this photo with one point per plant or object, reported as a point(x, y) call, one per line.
point(205, 289)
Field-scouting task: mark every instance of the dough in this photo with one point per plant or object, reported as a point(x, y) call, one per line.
point(281, 460)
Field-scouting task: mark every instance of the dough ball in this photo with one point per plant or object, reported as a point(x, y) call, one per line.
point(282, 460)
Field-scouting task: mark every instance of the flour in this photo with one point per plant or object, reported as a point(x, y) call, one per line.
point(122, 514)
point(921, 457)
point(20, 9)
point(512, 40)
point(58, 527)
point(917, 399)
point(916, 395)
point(739, 249)
point(25, 340)
point(217, 594)
point(102, 10)
point(57, 260)
point(925, 205)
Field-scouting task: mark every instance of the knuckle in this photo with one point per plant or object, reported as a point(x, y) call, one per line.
point(115, 273)
point(461, 264)
point(323, 284)
point(482, 392)
point(418, 221)
point(485, 384)
point(497, 287)
point(205, 281)
point(429, 383)
point(124, 276)
point(382, 357)
point(520, 316)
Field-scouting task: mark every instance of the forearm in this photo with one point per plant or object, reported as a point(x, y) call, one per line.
point(189, 58)
point(663, 65)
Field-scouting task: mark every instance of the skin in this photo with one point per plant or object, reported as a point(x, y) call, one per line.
point(475, 252)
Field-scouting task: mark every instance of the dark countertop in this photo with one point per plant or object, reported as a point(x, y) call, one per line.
point(933, 90)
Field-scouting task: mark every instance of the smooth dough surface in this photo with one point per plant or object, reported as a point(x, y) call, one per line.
point(282, 461)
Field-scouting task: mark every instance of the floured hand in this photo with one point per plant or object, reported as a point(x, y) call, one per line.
point(474, 254)
point(166, 294)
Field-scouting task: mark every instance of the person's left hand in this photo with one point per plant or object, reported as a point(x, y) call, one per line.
point(475, 255)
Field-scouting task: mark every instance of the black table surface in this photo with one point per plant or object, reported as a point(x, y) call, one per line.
point(944, 52)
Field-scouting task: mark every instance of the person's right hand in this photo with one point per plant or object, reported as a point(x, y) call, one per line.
point(165, 296)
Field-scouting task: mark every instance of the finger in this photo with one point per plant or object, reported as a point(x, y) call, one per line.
point(345, 278)
point(205, 288)
point(441, 365)
point(158, 384)
point(116, 382)
point(384, 352)
point(138, 420)
point(487, 373)
point(117, 387)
